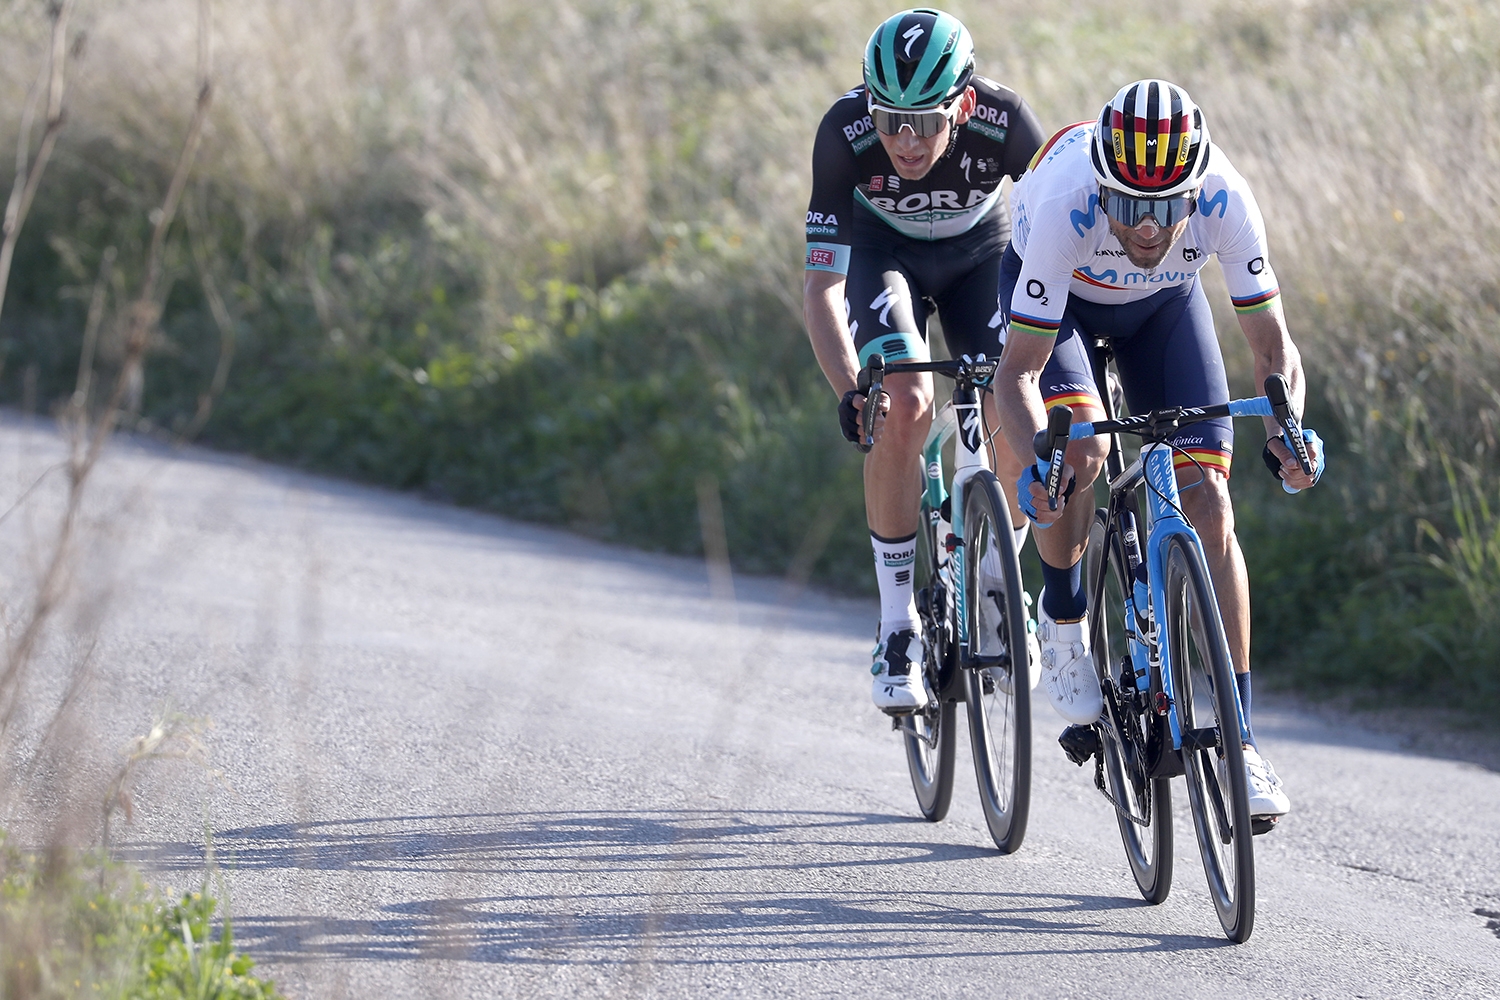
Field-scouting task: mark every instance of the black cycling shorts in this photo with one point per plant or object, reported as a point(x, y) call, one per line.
point(895, 282)
point(1166, 352)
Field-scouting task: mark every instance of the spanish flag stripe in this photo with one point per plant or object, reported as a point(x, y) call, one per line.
point(1052, 142)
point(1073, 399)
point(1208, 459)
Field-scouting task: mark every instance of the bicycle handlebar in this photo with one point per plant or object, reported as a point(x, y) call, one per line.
point(1049, 445)
point(1278, 394)
point(975, 371)
point(871, 378)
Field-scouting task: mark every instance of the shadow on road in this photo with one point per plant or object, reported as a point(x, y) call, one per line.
point(687, 886)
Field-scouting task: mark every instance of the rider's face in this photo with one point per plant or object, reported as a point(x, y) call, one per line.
point(1146, 245)
point(913, 156)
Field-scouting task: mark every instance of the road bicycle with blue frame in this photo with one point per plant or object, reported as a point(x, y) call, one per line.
point(972, 608)
point(1171, 706)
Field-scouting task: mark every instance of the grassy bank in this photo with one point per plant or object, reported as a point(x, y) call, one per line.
point(75, 926)
point(547, 263)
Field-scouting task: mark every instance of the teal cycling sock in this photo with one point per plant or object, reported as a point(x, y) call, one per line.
point(1063, 596)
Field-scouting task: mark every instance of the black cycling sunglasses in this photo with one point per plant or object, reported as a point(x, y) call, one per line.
point(1129, 211)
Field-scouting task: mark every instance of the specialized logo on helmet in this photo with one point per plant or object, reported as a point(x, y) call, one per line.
point(911, 36)
point(919, 58)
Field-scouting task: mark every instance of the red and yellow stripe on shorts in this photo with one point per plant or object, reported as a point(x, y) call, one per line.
point(1216, 459)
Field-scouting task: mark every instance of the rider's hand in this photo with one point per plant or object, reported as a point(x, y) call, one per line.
point(851, 408)
point(1031, 494)
point(1284, 465)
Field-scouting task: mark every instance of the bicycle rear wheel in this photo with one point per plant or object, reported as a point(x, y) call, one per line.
point(1209, 713)
point(930, 740)
point(1143, 805)
point(999, 695)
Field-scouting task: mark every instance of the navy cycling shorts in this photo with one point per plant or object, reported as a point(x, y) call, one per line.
point(1166, 352)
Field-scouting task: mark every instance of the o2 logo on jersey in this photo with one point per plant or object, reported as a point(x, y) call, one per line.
point(1036, 290)
point(1256, 266)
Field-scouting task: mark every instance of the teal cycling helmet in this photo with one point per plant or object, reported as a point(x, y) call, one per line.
point(918, 59)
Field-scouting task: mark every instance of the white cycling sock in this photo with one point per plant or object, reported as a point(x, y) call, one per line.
point(1021, 531)
point(894, 559)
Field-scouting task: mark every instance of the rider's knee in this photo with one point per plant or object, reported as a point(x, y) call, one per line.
point(911, 408)
point(1209, 507)
point(1087, 456)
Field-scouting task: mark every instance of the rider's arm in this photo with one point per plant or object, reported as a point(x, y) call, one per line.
point(823, 312)
point(1239, 236)
point(829, 215)
point(1274, 353)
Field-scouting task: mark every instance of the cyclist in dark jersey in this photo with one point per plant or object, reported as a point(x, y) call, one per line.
point(907, 216)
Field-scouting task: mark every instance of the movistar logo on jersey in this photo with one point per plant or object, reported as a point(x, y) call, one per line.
point(1206, 205)
point(1085, 220)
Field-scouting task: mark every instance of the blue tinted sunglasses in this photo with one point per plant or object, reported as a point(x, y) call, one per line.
point(1129, 211)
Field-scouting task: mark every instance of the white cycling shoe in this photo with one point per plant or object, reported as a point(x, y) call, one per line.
point(1068, 669)
point(990, 621)
point(1267, 798)
point(897, 667)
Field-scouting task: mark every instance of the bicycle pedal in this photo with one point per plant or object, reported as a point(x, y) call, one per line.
point(1080, 743)
point(1262, 824)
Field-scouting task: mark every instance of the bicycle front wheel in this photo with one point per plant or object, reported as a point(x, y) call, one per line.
point(1209, 713)
point(999, 692)
point(928, 734)
point(1143, 805)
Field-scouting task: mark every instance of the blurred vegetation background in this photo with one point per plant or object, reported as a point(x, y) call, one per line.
point(546, 260)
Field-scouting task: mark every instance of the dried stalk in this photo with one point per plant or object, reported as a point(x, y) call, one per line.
point(28, 180)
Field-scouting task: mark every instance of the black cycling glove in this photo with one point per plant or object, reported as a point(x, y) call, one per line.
point(849, 416)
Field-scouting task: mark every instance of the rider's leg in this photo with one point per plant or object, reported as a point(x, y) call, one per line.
point(1211, 512)
point(893, 494)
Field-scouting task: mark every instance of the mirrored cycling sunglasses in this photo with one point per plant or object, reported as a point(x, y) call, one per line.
point(924, 123)
point(1130, 211)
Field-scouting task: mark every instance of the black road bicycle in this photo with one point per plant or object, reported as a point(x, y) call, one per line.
point(972, 608)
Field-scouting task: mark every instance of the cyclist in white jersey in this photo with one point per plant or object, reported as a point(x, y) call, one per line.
point(1113, 221)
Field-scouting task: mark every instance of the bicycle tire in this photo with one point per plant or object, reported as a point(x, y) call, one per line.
point(930, 749)
point(1206, 698)
point(998, 697)
point(1122, 729)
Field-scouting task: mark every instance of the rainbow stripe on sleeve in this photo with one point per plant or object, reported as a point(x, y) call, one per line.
point(1259, 302)
point(1035, 326)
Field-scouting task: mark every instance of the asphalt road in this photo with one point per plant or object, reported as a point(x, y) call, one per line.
point(465, 757)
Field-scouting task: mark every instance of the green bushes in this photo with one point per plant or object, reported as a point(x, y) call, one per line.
point(75, 927)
